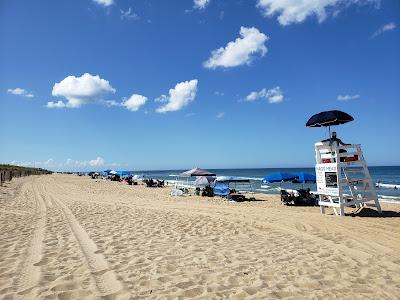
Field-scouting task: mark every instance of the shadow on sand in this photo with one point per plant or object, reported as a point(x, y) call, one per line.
point(367, 212)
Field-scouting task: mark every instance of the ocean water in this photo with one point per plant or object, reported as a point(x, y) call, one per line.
point(388, 177)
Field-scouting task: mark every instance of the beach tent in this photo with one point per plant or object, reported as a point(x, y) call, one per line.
point(112, 172)
point(236, 181)
point(196, 172)
point(279, 177)
point(221, 188)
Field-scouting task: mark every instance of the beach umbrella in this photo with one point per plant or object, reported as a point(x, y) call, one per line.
point(279, 177)
point(329, 118)
point(122, 173)
point(196, 172)
point(304, 178)
point(204, 180)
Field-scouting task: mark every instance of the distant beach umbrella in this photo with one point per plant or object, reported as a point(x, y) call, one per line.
point(304, 178)
point(329, 118)
point(204, 180)
point(279, 177)
point(122, 173)
point(197, 172)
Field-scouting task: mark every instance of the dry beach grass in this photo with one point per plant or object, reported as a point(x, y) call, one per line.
point(70, 237)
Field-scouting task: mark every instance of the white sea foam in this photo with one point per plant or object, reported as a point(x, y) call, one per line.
point(388, 185)
point(389, 197)
point(254, 178)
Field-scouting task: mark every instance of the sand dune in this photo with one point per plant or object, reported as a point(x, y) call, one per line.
point(70, 237)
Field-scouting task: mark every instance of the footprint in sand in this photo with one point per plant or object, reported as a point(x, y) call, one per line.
point(44, 261)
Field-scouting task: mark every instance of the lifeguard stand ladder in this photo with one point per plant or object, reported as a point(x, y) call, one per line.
point(343, 178)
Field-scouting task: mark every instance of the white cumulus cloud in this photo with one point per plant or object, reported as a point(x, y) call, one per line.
point(104, 3)
point(200, 4)
point(20, 92)
point(180, 96)
point(134, 102)
point(297, 11)
point(347, 97)
point(274, 95)
point(384, 28)
point(55, 104)
point(82, 90)
point(98, 162)
point(241, 51)
point(38, 164)
point(161, 99)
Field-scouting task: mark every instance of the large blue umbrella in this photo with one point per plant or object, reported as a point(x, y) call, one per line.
point(122, 173)
point(305, 178)
point(279, 177)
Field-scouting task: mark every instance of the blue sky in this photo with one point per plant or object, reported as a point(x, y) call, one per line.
point(145, 84)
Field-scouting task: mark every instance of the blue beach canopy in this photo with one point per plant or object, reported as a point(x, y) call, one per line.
point(122, 173)
point(221, 188)
point(305, 178)
point(279, 177)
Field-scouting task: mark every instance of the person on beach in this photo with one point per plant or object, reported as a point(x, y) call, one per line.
point(339, 142)
point(333, 139)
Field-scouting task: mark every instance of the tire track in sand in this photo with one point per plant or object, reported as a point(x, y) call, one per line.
point(106, 280)
point(30, 272)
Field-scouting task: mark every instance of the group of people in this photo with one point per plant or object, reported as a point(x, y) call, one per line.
point(207, 191)
point(154, 183)
point(303, 198)
point(129, 179)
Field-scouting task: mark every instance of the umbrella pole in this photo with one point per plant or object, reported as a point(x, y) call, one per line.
point(330, 141)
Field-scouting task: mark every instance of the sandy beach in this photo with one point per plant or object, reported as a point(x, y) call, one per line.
point(70, 237)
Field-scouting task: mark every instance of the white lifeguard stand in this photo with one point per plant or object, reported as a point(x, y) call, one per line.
point(343, 178)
